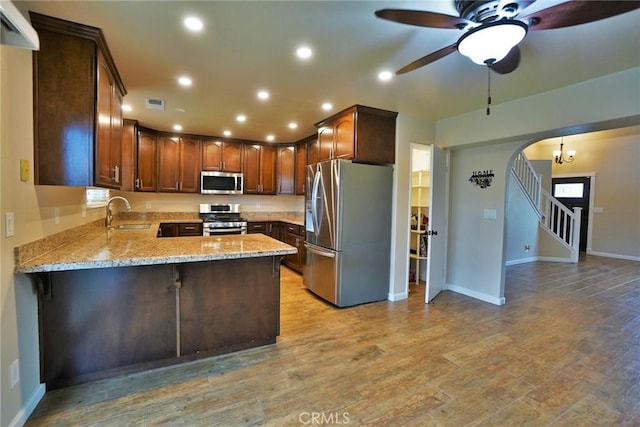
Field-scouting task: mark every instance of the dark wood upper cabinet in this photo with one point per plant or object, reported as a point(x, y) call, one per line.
point(77, 106)
point(129, 154)
point(146, 161)
point(286, 167)
point(359, 133)
point(221, 155)
point(259, 169)
point(301, 162)
point(178, 164)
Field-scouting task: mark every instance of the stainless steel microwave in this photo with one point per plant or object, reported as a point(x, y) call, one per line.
point(220, 182)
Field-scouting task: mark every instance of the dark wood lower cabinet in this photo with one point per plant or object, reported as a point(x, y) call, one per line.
point(99, 323)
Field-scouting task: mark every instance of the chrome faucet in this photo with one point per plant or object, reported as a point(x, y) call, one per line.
point(109, 217)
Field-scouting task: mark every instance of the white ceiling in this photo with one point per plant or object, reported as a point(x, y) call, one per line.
point(249, 45)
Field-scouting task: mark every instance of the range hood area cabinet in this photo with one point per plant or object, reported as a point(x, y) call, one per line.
point(77, 106)
point(359, 133)
point(221, 155)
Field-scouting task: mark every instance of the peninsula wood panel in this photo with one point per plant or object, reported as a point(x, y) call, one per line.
point(229, 307)
point(100, 319)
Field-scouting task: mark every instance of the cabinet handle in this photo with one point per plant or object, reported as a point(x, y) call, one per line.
point(116, 174)
point(137, 184)
point(189, 227)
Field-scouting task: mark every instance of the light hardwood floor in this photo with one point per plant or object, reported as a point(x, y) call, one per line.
point(564, 350)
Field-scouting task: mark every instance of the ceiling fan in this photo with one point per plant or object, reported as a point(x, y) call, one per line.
point(493, 28)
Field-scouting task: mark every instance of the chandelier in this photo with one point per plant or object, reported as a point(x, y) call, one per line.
point(559, 156)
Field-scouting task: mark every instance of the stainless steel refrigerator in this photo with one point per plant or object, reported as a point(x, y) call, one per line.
point(348, 231)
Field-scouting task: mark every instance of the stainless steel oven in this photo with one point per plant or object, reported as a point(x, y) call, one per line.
point(218, 219)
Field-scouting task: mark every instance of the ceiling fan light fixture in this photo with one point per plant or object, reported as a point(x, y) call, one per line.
point(489, 43)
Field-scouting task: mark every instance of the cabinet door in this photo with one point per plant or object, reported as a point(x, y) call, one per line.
point(106, 165)
point(251, 169)
point(286, 169)
point(325, 143)
point(168, 163)
point(344, 137)
point(211, 155)
point(129, 147)
point(268, 178)
point(313, 151)
point(232, 157)
point(146, 164)
point(189, 165)
point(301, 164)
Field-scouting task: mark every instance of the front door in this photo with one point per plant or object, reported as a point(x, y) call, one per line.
point(574, 192)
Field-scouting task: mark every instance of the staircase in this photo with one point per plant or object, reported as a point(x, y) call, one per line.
point(554, 218)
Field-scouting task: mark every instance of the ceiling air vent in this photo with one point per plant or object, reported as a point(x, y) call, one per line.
point(155, 104)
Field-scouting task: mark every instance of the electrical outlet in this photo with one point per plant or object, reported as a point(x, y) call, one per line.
point(9, 224)
point(147, 205)
point(83, 211)
point(56, 216)
point(527, 248)
point(14, 373)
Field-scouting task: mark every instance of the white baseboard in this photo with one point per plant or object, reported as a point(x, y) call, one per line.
point(522, 261)
point(477, 295)
point(399, 296)
point(554, 259)
point(23, 415)
point(617, 256)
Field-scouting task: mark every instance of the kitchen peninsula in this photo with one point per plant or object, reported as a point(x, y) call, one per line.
point(115, 301)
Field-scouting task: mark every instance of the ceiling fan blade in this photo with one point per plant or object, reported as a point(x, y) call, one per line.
point(422, 18)
point(576, 13)
point(509, 63)
point(434, 56)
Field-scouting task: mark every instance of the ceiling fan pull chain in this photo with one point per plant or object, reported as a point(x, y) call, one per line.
point(488, 89)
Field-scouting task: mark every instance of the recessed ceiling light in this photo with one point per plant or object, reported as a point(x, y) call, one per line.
point(126, 107)
point(304, 52)
point(293, 125)
point(184, 81)
point(241, 118)
point(271, 138)
point(193, 24)
point(385, 75)
point(327, 106)
point(177, 127)
point(263, 94)
point(227, 133)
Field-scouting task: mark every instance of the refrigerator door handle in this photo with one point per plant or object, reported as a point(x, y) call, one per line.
point(314, 202)
point(317, 251)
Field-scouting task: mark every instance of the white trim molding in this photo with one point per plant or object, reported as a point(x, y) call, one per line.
point(477, 295)
point(23, 415)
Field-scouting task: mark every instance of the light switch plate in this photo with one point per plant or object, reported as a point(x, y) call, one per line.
point(490, 214)
point(9, 224)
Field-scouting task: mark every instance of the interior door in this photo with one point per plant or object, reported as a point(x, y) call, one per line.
point(436, 246)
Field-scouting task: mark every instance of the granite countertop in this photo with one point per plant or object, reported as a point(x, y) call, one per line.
point(99, 247)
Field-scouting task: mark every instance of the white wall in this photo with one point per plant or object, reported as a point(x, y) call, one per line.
point(522, 226)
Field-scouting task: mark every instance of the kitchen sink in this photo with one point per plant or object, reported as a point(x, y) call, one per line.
point(137, 226)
